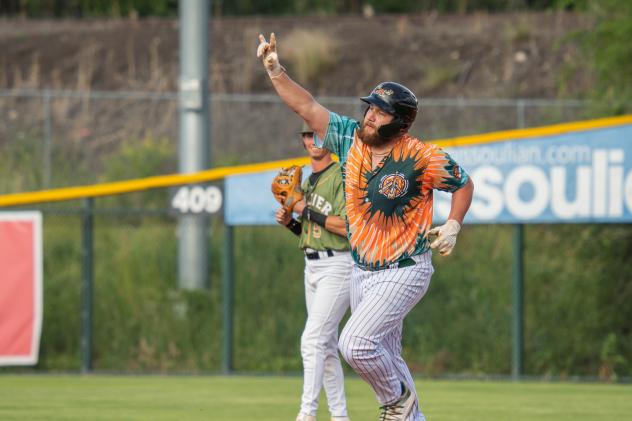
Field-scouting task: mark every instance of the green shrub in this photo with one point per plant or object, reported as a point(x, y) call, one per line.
point(604, 60)
point(577, 286)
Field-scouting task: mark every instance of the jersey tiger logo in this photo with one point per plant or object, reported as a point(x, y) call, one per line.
point(393, 185)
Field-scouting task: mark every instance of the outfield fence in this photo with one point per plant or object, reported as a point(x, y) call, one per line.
point(54, 138)
point(125, 245)
point(112, 304)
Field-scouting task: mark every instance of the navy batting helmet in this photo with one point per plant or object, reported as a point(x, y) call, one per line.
point(397, 100)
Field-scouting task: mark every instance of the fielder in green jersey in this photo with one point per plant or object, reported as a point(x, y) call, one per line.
point(324, 194)
point(321, 227)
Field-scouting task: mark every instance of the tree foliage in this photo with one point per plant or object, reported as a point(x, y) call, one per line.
point(143, 8)
point(608, 53)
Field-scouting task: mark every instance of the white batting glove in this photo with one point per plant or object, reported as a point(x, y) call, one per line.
point(267, 52)
point(446, 236)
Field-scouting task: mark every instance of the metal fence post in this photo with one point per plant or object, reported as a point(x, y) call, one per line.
point(48, 147)
point(517, 331)
point(86, 287)
point(517, 303)
point(228, 298)
point(193, 140)
point(520, 113)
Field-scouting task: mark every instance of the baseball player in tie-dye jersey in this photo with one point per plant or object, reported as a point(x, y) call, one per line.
point(389, 178)
point(389, 205)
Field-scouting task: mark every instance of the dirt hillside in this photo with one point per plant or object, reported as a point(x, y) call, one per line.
point(474, 56)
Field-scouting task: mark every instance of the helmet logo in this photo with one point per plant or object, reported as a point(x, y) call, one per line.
point(393, 185)
point(383, 92)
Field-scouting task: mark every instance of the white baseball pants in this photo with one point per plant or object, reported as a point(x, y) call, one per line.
point(371, 341)
point(327, 298)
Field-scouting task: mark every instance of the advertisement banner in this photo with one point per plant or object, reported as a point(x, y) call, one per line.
point(576, 177)
point(20, 287)
point(582, 176)
point(249, 199)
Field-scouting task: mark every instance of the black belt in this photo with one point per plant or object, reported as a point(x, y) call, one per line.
point(315, 255)
point(409, 261)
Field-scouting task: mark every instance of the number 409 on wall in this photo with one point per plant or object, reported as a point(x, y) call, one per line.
point(197, 199)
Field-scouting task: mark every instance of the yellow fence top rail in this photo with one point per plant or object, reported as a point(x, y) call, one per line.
point(128, 186)
point(518, 134)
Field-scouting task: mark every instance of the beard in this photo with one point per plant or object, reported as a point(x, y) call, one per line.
point(373, 139)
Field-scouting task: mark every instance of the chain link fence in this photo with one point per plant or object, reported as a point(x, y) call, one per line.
point(61, 138)
point(143, 322)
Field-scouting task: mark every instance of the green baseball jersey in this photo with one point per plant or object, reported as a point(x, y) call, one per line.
point(325, 195)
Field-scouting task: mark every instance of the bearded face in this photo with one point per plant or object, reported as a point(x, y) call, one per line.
point(369, 136)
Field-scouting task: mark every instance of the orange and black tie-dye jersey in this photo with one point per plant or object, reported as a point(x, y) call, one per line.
point(389, 209)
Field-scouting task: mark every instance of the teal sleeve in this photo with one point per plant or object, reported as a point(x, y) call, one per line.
point(339, 136)
point(444, 173)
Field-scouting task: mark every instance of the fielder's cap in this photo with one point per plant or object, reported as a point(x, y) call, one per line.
point(306, 128)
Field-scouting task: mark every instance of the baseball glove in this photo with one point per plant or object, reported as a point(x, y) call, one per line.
point(286, 187)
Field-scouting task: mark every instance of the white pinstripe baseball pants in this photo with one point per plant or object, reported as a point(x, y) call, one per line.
point(327, 298)
point(371, 341)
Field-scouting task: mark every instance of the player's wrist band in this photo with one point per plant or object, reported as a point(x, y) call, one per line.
point(313, 216)
point(294, 226)
point(282, 70)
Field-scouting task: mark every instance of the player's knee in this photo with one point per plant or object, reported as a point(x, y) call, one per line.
point(306, 348)
point(312, 344)
point(356, 350)
point(344, 348)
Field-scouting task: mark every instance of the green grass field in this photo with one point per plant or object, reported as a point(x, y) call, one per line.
point(241, 398)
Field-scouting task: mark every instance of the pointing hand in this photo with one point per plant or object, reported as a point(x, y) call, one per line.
point(268, 53)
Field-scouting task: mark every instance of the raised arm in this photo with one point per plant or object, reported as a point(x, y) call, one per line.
point(293, 94)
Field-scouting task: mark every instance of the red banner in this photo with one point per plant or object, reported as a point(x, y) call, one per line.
point(20, 287)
